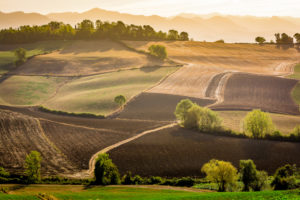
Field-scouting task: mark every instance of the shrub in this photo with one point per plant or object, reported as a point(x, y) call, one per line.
point(127, 179)
point(3, 172)
point(220, 172)
point(20, 53)
point(33, 166)
point(137, 180)
point(248, 173)
point(284, 178)
point(106, 172)
point(296, 131)
point(192, 117)
point(261, 181)
point(260, 40)
point(257, 124)
point(155, 180)
point(185, 181)
point(209, 121)
point(220, 41)
point(158, 51)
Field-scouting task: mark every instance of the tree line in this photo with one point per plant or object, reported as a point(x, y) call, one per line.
point(281, 39)
point(86, 30)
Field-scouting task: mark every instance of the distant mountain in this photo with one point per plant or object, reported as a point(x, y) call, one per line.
point(209, 27)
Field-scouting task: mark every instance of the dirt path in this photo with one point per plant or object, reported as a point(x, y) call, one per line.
point(90, 171)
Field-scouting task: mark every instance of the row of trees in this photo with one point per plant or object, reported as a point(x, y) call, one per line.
point(257, 124)
point(281, 39)
point(86, 30)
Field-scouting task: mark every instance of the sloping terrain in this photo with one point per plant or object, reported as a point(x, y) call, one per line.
point(155, 106)
point(20, 134)
point(180, 152)
point(86, 58)
point(247, 91)
point(252, 58)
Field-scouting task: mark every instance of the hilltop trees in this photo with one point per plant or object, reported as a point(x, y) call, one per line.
point(158, 51)
point(33, 166)
point(260, 40)
point(283, 39)
point(220, 172)
point(257, 124)
point(86, 30)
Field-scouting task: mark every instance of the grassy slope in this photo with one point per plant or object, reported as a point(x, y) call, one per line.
point(296, 90)
point(7, 56)
point(234, 119)
point(28, 90)
point(95, 94)
point(118, 193)
point(296, 74)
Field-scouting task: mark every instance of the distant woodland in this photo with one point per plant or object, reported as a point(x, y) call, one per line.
point(86, 30)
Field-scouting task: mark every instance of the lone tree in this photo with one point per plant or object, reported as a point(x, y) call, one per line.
point(182, 108)
point(106, 172)
point(257, 124)
point(260, 40)
point(248, 173)
point(158, 51)
point(220, 172)
point(20, 54)
point(33, 166)
point(120, 99)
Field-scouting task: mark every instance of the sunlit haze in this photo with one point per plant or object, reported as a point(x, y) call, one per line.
point(160, 7)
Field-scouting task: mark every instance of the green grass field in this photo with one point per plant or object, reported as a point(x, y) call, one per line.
point(95, 94)
point(7, 56)
point(67, 192)
point(28, 90)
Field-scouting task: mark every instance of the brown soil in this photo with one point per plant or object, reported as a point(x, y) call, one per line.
point(20, 134)
point(154, 106)
point(179, 152)
point(246, 92)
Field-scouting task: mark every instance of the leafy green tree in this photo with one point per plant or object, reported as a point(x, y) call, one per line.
point(209, 120)
point(220, 172)
point(85, 29)
point(173, 35)
point(3, 172)
point(158, 51)
point(120, 99)
point(248, 173)
point(296, 131)
point(260, 181)
point(260, 40)
point(284, 178)
point(257, 124)
point(182, 108)
point(33, 166)
point(283, 39)
point(192, 117)
point(106, 172)
point(20, 54)
point(297, 37)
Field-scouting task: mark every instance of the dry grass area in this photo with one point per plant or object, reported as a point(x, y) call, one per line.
point(252, 58)
point(234, 120)
point(86, 58)
point(178, 152)
point(248, 91)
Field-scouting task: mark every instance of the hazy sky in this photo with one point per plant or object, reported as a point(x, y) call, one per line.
point(160, 7)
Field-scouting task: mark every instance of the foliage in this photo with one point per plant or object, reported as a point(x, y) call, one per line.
point(221, 172)
point(257, 124)
point(3, 172)
point(86, 30)
point(181, 109)
point(120, 99)
point(284, 178)
point(33, 166)
point(127, 179)
point(296, 131)
point(261, 181)
point(220, 41)
point(106, 172)
point(158, 51)
point(297, 37)
point(20, 53)
point(283, 39)
point(248, 173)
point(260, 40)
point(194, 116)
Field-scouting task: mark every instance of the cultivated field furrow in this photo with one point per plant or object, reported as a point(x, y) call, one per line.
point(180, 152)
point(247, 91)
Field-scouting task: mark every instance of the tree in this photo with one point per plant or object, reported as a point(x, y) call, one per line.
point(182, 108)
point(85, 29)
point(260, 181)
point(192, 117)
point(33, 166)
point(284, 178)
point(120, 99)
point(173, 35)
point(257, 124)
point(3, 172)
point(220, 172)
point(248, 173)
point(296, 131)
point(106, 172)
point(220, 41)
point(20, 53)
point(283, 39)
point(297, 37)
point(184, 36)
point(158, 51)
point(260, 40)
point(209, 120)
